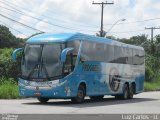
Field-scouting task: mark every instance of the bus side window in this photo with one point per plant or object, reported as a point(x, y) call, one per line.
point(70, 63)
point(67, 65)
point(73, 61)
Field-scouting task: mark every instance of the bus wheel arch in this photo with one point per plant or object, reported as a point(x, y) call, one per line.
point(125, 91)
point(132, 90)
point(134, 86)
point(81, 93)
point(84, 85)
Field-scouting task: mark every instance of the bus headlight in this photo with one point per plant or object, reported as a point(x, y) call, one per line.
point(56, 92)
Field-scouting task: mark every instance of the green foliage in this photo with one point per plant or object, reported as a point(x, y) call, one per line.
point(7, 39)
point(149, 73)
point(135, 40)
point(157, 38)
point(7, 67)
point(111, 37)
point(148, 86)
point(8, 88)
point(99, 34)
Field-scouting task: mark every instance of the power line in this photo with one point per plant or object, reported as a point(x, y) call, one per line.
point(128, 31)
point(55, 12)
point(119, 23)
point(10, 15)
point(102, 6)
point(19, 22)
point(91, 25)
point(134, 22)
point(39, 19)
point(13, 28)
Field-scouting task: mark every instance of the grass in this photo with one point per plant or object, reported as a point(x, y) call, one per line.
point(152, 86)
point(9, 90)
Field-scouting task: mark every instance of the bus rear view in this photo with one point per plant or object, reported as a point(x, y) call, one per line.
point(57, 66)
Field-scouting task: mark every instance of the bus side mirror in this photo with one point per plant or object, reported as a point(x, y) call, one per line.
point(64, 54)
point(14, 54)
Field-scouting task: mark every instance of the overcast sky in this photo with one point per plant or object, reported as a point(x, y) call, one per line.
point(80, 16)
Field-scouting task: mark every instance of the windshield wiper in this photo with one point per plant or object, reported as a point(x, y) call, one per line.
point(32, 71)
point(39, 60)
point(40, 66)
point(45, 69)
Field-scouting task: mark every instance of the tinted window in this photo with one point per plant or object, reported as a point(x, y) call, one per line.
point(141, 57)
point(73, 44)
point(129, 59)
point(138, 57)
point(88, 51)
point(93, 51)
point(100, 52)
point(119, 55)
point(109, 53)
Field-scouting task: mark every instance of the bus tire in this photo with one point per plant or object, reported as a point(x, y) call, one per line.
point(43, 100)
point(80, 95)
point(125, 94)
point(97, 97)
point(131, 91)
point(118, 97)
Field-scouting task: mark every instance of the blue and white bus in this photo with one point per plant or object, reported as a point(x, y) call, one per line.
point(75, 65)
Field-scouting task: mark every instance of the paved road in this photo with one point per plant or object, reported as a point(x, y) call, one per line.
point(147, 102)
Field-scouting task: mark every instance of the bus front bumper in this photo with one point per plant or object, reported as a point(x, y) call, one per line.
point(50, 89)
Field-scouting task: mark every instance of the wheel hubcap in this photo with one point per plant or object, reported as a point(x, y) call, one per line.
point(80, 94)
point(125, 94)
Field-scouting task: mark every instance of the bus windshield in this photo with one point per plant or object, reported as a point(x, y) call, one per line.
point(42, 61)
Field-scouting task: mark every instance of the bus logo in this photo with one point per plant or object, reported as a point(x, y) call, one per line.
point(114, 81)
point(90, 67)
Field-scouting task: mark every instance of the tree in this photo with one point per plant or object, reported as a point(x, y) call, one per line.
point(99, 34)
point(111, 37)
point(8, 68)
point(136, 40)
point(7, 39)
point(157, 38)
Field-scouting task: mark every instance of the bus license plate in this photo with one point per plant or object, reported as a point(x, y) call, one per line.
point(37, 93)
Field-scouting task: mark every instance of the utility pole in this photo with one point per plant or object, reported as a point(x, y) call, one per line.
point(152, 45)
point(152, 28)
point(102, 5)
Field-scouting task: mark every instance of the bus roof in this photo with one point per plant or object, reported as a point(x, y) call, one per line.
point(63, 37)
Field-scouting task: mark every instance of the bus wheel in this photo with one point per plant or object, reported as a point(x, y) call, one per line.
point(80, 95)
point(97, 97)
point(131, 92)
point(118, 97)
point(43, 100)
point(125, 94)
